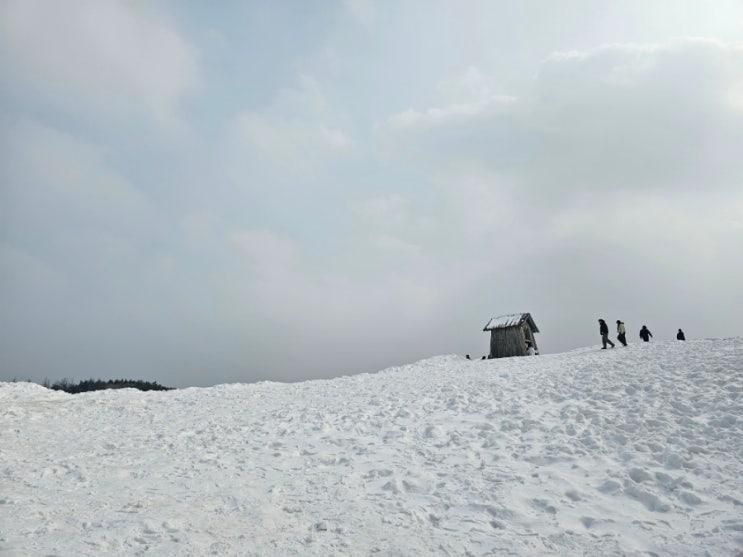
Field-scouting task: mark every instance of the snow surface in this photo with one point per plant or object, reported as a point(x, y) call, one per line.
point(630, 451)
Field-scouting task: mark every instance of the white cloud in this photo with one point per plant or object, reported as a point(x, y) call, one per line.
point(322, 307)
point(112, 55)
point(279, 142)
point(51, 176)
point(267, 253)
point(452, 115)
point(387, 210)
point(394, 225)
point(618, 116)
point(289, 238)
point(660, 227)
point(363, 11)
point(469, 86)
point(628, 117)
point(295, 136)
point(611, 185)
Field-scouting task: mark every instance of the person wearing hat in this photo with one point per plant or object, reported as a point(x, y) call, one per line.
point(604, 330)
point(621, 333)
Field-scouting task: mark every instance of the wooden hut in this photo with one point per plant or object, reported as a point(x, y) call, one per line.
point(510, 335)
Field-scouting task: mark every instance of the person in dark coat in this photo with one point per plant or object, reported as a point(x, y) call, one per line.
point(621, 333)
point(604, 331)
point(680, 335)
point(645, 333)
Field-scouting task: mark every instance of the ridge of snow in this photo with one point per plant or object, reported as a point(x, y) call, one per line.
point(24, 390)
point(623, 451)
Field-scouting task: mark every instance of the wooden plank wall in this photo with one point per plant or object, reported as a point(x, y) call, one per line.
point(507, 342)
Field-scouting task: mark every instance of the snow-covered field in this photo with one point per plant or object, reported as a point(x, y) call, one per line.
point(631, 451)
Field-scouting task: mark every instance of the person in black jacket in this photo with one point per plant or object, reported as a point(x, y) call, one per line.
point(645, 333)
point(680, 335)
point(604, 330)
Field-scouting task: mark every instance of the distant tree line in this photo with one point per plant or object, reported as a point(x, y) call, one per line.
point(86, 385)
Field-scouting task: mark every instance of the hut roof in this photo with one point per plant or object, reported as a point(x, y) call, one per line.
point(511, 320)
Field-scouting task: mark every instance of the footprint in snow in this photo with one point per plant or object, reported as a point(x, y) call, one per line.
point(639, 475)
point(573, 495)
point(689, 498)
point(544, 505)
point(649, 500)
point(610, 487)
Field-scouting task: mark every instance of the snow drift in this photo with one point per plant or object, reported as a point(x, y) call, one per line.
point(630, 451)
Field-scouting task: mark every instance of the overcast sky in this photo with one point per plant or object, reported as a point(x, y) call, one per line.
point(198, 193)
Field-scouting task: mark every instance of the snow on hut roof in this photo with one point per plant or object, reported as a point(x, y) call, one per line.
point(511, 320)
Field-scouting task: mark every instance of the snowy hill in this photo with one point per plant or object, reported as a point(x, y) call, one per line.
point(631, 451)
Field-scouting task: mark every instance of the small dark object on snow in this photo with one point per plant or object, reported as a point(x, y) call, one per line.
point(468, 357)
point(680, 335)
point(645, 333)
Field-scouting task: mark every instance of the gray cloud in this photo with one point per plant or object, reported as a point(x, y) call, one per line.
point(163, 220)
point(113, 56)
point(619, 116)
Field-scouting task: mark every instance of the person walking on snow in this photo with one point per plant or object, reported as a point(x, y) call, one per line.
point(645, 333)
point(621, 333)
point(604, 330)
point(680, 335)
